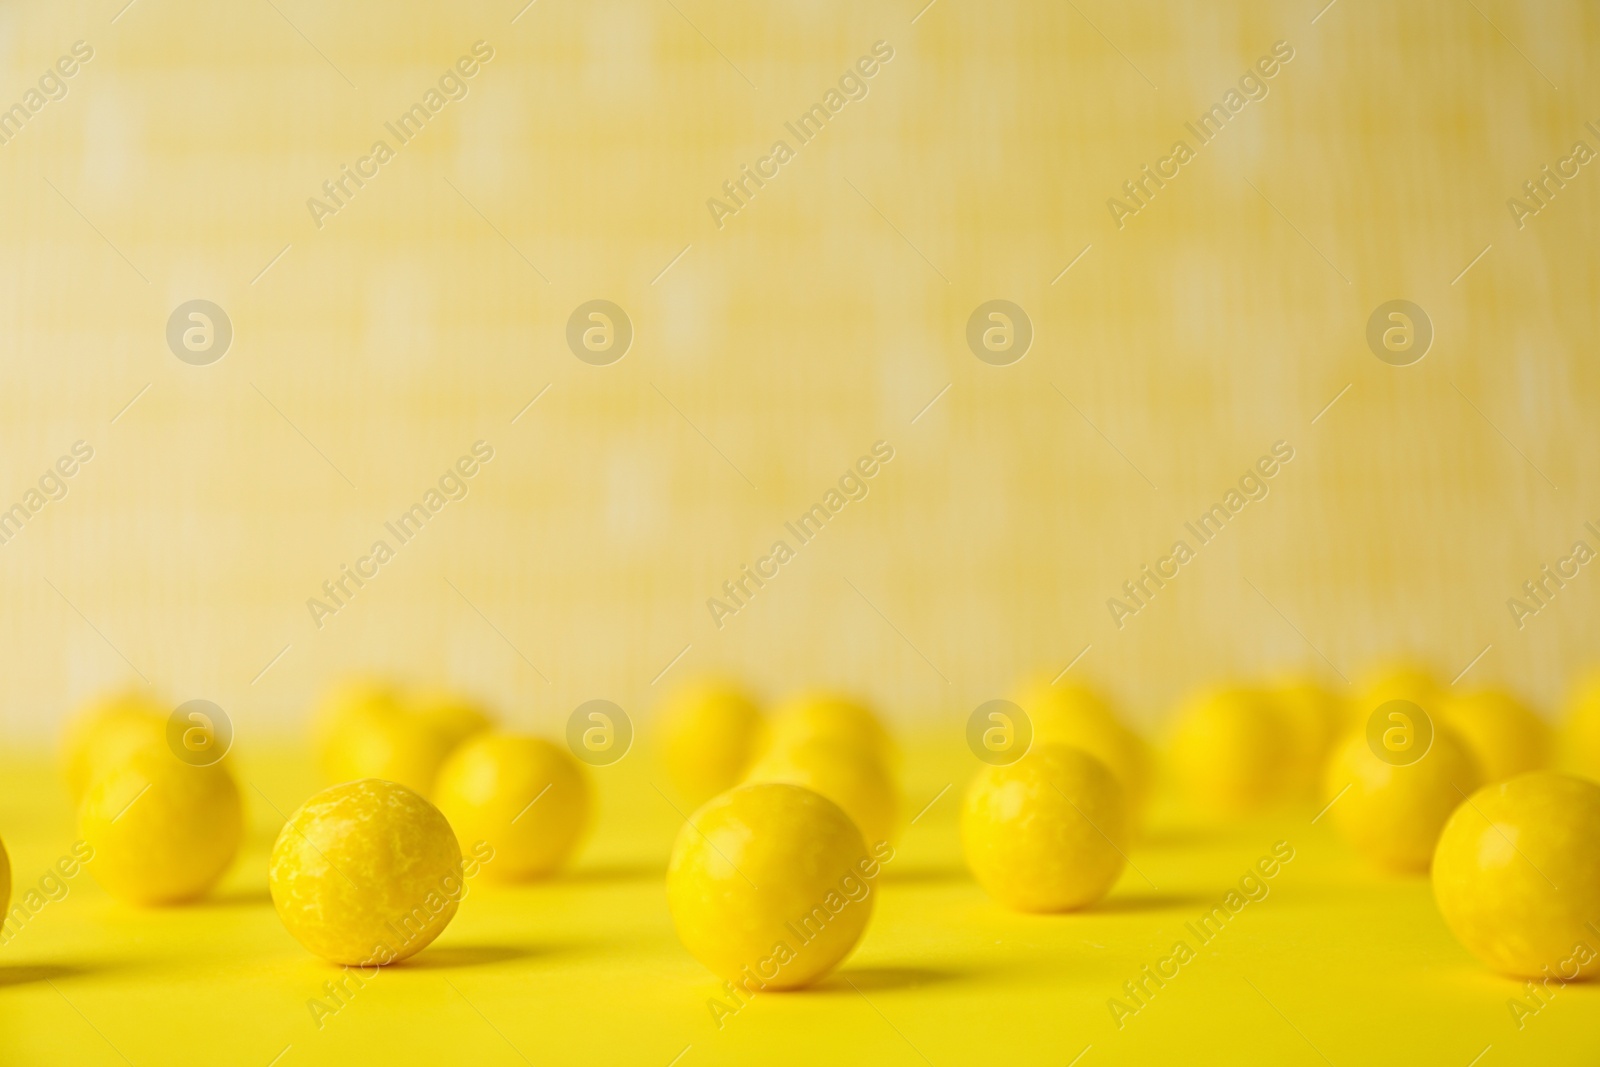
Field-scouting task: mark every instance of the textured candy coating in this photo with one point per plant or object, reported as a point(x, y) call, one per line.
point(366, 872)
point(1046, 833)
point(771, 880)
point(1517, 876)
point(528, 798)
point(163, 831)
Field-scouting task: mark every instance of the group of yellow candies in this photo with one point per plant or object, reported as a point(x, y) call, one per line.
point(368, 871)
point(771, 880)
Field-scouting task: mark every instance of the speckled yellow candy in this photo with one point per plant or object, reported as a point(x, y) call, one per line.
point(163, 832)
point(774, 878)
point(1232, 751)
point(711, 732)
point(529, 799)
point(836, 719)
point(1046, 833)
point(1392, 815)
point(1082, 717)
point(855, 781)
point(106, 733)
point(1517, 876)
point(1506, 736)
point(366, 872)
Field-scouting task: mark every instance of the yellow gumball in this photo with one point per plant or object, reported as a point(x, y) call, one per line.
point(1580, 733)
point(1517, 876)
point(5, 880)
point(1392, 812)
point(1396, 680)
point(107, 732)
point(711, 732)
point(1505, 736)
point(851, 779)
point(771, 885)
point(1232, 751)
point(1046, 833)
point(366, 873)
point(163, 831)
point(836, 719)
point(367, 729)
point(451, 717)
point(527, 798)
point(1081, 717)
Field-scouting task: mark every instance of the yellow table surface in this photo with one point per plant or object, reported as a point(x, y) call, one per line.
point(1337, 964)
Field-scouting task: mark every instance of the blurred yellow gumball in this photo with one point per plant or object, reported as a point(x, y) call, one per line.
point(366, 873)
point(1233, 751)
point(1317, 717)
point(529, 799)
point(1580, 732)
point(371, 730)
point(452, 717)
point(1517, 876)
point(1506, 737)
point(1046, 833)
point(855, 781)
point(106, 733)
point(163, 831)
point(832, 718)
point(1395, 680)
point(1081, 717)
point(1395, 806)
point(770, 885)
point(711, 732)
point(5, 879)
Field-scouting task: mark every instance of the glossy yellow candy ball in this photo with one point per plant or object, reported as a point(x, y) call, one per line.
point(163, 832)
point(1046, 833)
point(366, 872)
point(528, 798)
point(855, 781)
point(711, 732)
point(368, 729)
point(1506, 737)
point(107, 732)
point(1580, 732)
point(836, 719)
point(1232, 751)
point(1084, 718)
point(1517, 876)
point(771, 885)
point(1392, 813)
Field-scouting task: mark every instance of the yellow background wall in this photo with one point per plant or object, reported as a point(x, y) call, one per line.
point(821, 318)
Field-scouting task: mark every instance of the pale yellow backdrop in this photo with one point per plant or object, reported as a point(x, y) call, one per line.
point(824, 316)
